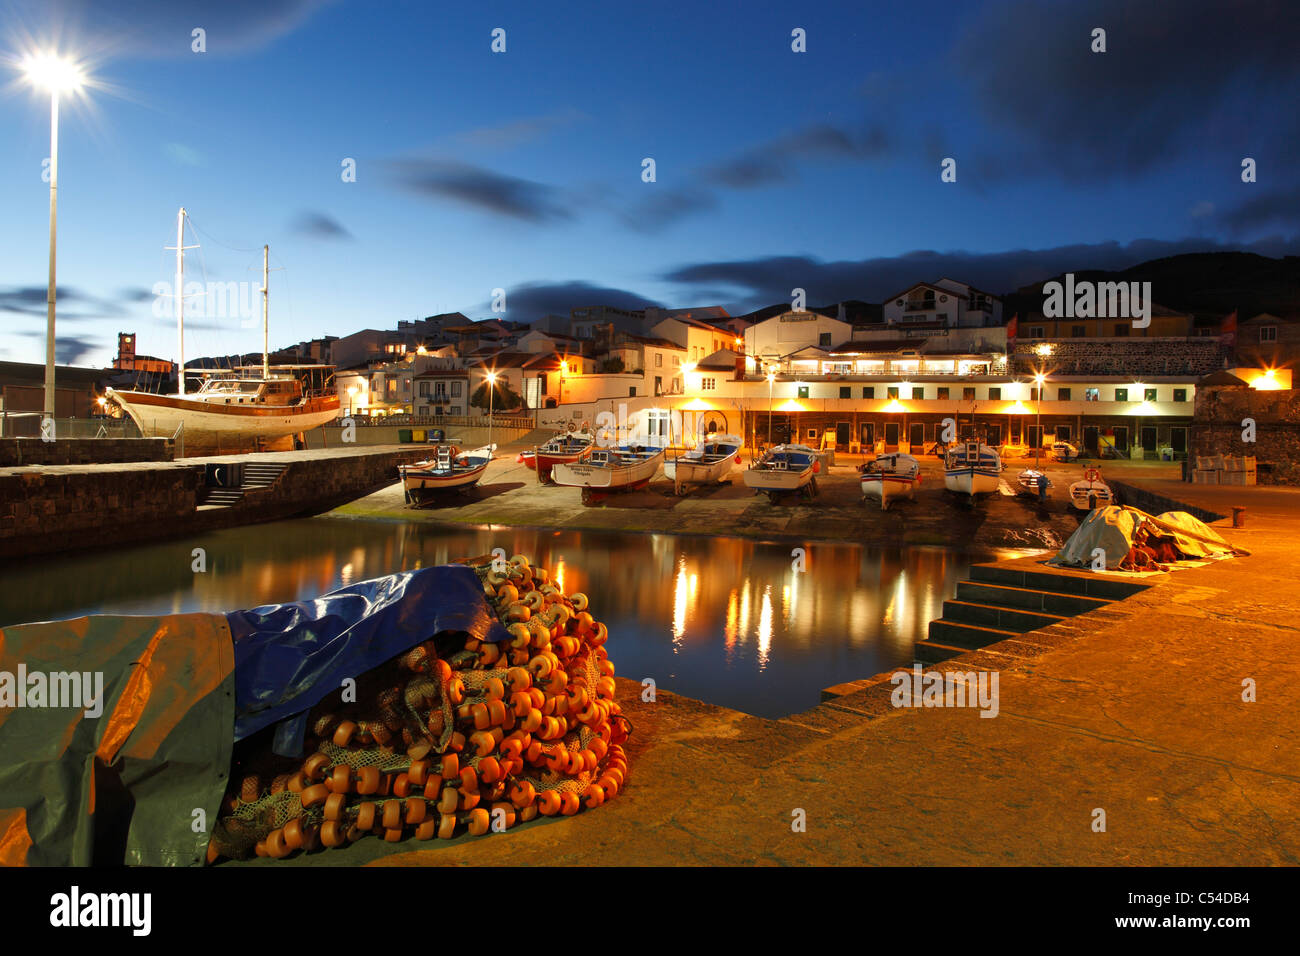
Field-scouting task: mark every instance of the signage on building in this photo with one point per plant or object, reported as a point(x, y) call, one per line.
point(923, 333)
point(800, 317)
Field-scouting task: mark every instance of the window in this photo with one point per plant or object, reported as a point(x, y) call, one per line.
point(1035, 331)
point(1121, 394)
point(846, 391)
point(659, 360)
point(1268, 333)
point(424, 389)
point(631, 391)
point(943, 393)
point(1078, 331)
point(1033, 394)
point(918, 394)
point(1062, 394)
point(824, 339)
point(1092, 395)
point(1149, 395)
point(892, 391)
point(708, 384)
point(440, 392)
point(1121, 330)
point(1180, 395)
point(868, 391)
point(968, 394)
point(659, 385)
point(995, 394)
point(812, 434)
point(803, 391)
point(677, 360)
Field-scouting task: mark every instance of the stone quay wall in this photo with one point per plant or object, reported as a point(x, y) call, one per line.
point(44, 510)
point(15, 452)
point(1217, 428)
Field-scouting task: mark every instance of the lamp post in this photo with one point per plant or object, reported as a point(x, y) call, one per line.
point(771, 377)
point(352, 391)
point(492, 390)
point(1039, 380)
point(54, 74)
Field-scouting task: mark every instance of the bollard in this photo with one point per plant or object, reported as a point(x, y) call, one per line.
point(1238, 516)
point(1042, 487)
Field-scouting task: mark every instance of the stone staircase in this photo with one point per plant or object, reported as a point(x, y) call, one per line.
point(256, 475)
point(999, 603)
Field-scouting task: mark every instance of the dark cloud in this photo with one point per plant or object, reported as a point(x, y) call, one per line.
point(778, 160)
point(1266, 210)
point(162, 28)
point(319, 226)
point(665, 206)
point(1172, 70)
point(482, 189)
point(68, 349)
point(30, 300)
point(759, 282)
point(532, 300)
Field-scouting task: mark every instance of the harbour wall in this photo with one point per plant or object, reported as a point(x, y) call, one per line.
point(44, 510)
point(15, 452)
point(330, 436)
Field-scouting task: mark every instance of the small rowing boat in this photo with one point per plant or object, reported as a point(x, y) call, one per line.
point(449, 470)
point(889, 477)
point(1091, 492)
point(563, 449)
point(784, 469)
point(972, 468)
point(606, 470)
point(713, 460)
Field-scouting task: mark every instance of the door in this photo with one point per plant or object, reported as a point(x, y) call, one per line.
point(1034, 436)
point(993, 435)
point(916, 435)
point(868, 434)
point(1090, 439)
point(1062, 432)
point(843, 434)
point(1121, 439)
point(891, 434)
point(1178, 439)
point(1147, 434)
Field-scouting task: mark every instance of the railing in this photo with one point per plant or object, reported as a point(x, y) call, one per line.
point(28, 425)
point(465, 421)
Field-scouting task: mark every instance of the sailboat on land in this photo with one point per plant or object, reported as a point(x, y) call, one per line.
point(245, 408)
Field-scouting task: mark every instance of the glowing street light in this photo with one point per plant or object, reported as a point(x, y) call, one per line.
point(492, 391)
point(771, 377)
point(1039, 444)
point(56, 75)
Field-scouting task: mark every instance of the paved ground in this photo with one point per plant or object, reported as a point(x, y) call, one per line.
point(1136, 711)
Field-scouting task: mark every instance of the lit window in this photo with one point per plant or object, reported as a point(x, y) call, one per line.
point(1121, 394)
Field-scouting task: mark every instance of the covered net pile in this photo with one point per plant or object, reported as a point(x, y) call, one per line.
point(452, 735)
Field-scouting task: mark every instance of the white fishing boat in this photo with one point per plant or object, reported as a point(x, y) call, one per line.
point(607, 470)
point(972, 468)
point(890, 477)
point(715, 459)
point(1091, 492)
point(1028, 481)
point(450, 469)
point(240, 409)
point(784, 469)
point(1064, 451)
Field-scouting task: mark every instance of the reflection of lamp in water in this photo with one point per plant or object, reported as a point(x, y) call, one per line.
point(765, 627)
point(680, 596)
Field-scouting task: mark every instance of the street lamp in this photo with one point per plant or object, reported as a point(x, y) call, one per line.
point(55, 74)
point(352, 391)
point(492, 390)
point(1037, 447)
point(771, 377)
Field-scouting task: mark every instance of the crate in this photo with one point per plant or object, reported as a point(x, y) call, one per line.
point(1205, 476)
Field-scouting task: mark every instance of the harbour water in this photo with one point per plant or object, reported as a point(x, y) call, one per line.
point(756, 627)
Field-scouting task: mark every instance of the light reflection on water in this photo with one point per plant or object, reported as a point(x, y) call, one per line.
point(725, 620)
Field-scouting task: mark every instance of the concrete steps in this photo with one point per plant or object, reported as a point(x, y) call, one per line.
point(255, 475)
point(1000, 603)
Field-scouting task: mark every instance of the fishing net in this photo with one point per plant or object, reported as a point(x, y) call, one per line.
point(452, 735)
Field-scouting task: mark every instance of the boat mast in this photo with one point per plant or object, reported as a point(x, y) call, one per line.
point(266, 285)
point(180, 298)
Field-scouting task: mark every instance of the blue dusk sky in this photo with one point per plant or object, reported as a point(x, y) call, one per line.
point(522, 169)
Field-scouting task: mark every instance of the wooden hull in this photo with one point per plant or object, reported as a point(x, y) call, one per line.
point(888, 488)
point(971, 481)
point(210, 427)
point(1082, 491)
point(583, 474)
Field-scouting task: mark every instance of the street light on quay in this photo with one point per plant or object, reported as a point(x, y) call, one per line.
point(1038, 379)
point(55, 75)
point(771, 377)
point(492, 390)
